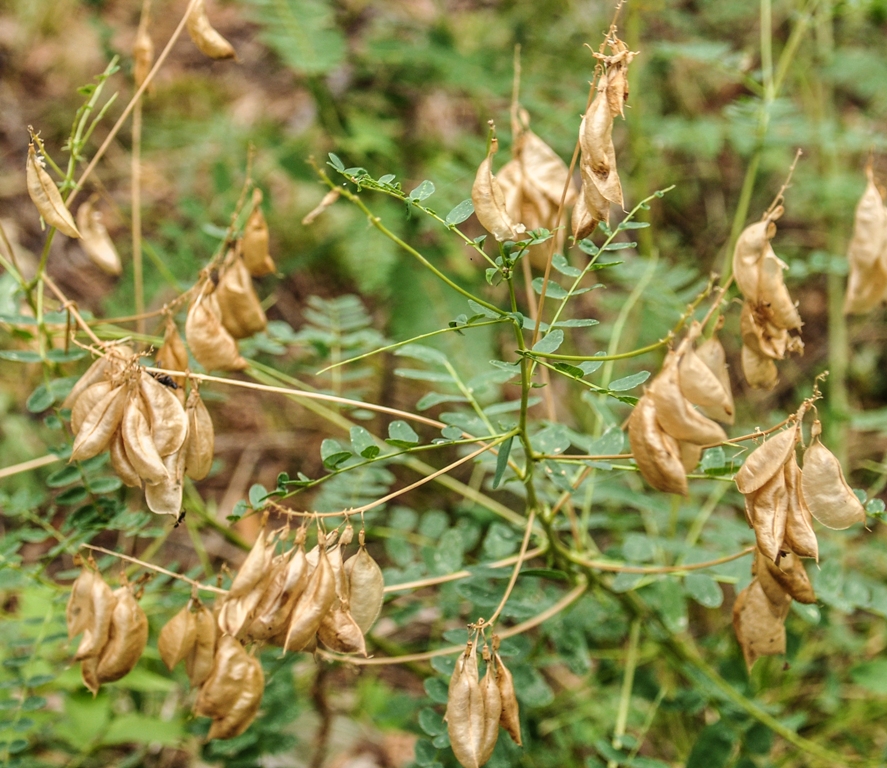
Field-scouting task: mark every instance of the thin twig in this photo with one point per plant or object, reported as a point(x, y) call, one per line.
point(150, 567)
point(528, 530)
point(27, 466)
point(600, 565)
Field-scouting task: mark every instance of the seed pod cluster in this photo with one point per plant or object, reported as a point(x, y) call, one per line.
point(114, 628)
point(533, 182)
point(666, 431)
point(477, 707)
point(152, 438)
point(781, 499)
point(768, 313)
point(600, 179)
point(867, 252)
point(760, 609)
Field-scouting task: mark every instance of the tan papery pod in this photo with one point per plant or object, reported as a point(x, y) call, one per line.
point(99, 425)
point(675, 414)
point(138, 442)
point(78, 613)
point(87, 400)
point(703, 387)
point(591, 208)
point(791, 576)
point(509, 718)
point(313, 604)
point(255, 240)
point(212, 346)
point(489, 201)
point(492, 710)
point(657, 454)
point(200, 446)
point(762, 336)
point(254, 568)
point(127, 637)
point(101, 607)
point(799, 535)
point(328, 199)
point(297, 576)
point(208, 41)
point(779, 307)
point(165, 497)
point(47, 198)
point(759, 371)
point(828, 497)
point(339, 632)
point(337, 562)
point(220, 692)
point(199, 662)
point(366, 585)
point(617, 76)
point(711, 353)
point(759, 630)
point(691, 453)
point(245, 708)
point(98, 371)
point(867, 252)
point(249, 585)
point(241, 311)
point(465, 710)
point(865, 288)
point(89, 674)
point(768, 507)
point(173, 356)
point(776, 594)
point(96, 241)
point(748, 252)
point(766, 460)
point(120, 462)
point(178, 637)
point(598, 154)
point(142, 53)
point(268, 606)
point(166, 416)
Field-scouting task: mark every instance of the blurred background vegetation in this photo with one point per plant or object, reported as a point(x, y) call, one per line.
point(722, 94)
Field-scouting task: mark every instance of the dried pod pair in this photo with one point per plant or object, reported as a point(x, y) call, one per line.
point(249, 584)
point(867, 251)
point(190, 636)
point(211, 344)
point(316, 600)
point(46, 196)
point(232, 693)
point(127, 637)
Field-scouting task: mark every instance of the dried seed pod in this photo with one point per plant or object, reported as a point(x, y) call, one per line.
point(759, 630)
point(712, 354)
point(703, 387)
point(127, 637)
point(766, 460)
point(366, 585)
point(165, 497)
point(255, 240)
point(47, 198)
point(328, 199)
point(248, 587)
point(313, 605)
point(101, 607)
point(120, 462)
point(96, 241)
point(674, 414)
point(789, 573)
point(254, 568)
point(828, 497)
point(489, 201)
point(339, 632)
point(868, 277)
point(690, 455)
point(591, 208)
point(89, 673)
point(799, 535)
point(178, 637)
point(199, 662)
point(759, 371)
point(212, 346)
point(138, 442)
point(780, 308)
point(200, 446)
point(241, 311)
point(598, 153)
point(96, 372)
point(166, 416)
point(749, 250)
point(266, 609)
point(221, 690)
point(657, 454)
point(509, 718)
point(768, 509)
point(465, 711)
point(88, 399)
point(492, 699)
point(78, 613)
point(246, 706)
point(99, 425)
point(274, 623)
point(208, 41)
point(142, 53)
point(173, 356)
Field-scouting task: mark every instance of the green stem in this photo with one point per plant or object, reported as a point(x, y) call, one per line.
point(631, 662)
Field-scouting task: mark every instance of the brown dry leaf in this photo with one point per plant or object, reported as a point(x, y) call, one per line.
point(199, 662)
point(866, 252)
point(675, 414)
point(489, 201)
point(221, 690)
point(313, 604)
point(366, 586)
point(657, 454)
point(759, 630)
point(138, 441)
point(101, 607)
point(255, 241)
point(208, 41)
point(768, 509)
point(711, 353)
point(465, 711)
point(96, 241)
point(212, 346)
point(799, 535)
point(47, 198)
point(178, 637)
point(509, 718)
point(200, 446)
point(99, 425)
point(246, 706)
point(766, 460)
point(239, 305)
point(127, 637)
point(828, 497)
